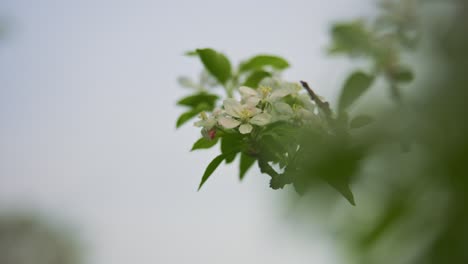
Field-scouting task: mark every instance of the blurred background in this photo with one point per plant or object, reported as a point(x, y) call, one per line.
point(88, 143)
point(92, 169)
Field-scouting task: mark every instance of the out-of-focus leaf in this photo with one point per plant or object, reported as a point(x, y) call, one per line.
point(211, 168)
point(216, 63)
point(245, 164)
point(360, 121)
point(352, 38)
point(231, 144)
point(272, 149)
point(255, 78)
point(344, 189)
point(191, 53)
point(395, 208)
point(261, 61)
point(186, 82)
point(204, 143)
point(356, 84)
point(329, 158)
point(403, 74)
point(277, 139)
point(198, 99)
point(185, 117)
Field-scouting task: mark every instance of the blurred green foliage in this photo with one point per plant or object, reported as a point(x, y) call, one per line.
point(28, 239)
point(406, 161)
point(409, 168)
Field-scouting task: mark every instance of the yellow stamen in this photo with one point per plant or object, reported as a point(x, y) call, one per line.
point(245, 114)
point(265, 91)
point(203, 116)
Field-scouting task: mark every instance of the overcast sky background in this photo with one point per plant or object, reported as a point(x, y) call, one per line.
point(87, 124)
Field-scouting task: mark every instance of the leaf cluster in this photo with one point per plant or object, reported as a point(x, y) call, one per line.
point(294, 153)
point(217, 65)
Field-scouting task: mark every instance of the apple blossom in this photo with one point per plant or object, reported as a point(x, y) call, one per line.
point(242, 116)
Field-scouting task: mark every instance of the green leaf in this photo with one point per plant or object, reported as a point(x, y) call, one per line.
point(277, 139)
point(204, 143)
point(255, 78)
point(185, 117)
point(245, 164)
point(217, 64)
point(198, 99)
point(191, 53)
point(344, 189)
point(261, 61)
point(231, 144)
point(403, 74)
point(356, 84)
point(352, 38)
point(360, 121)
point(211, 168)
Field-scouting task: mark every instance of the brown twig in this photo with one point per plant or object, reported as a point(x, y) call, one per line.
point(325, 106)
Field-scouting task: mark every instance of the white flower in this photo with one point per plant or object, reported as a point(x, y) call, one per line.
point(242, 116)
point(284, 112)
point(277, 83)
point(263, 94)
point(302, 98)
point(208, 122)
point(295, 91)
point(303, 114)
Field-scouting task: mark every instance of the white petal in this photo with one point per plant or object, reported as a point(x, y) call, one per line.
point(252, 101)
point(210, 123)
point(228, 122)
point(283, 108)
point(269, 82)
point(217, 112)
point(280, 93)
point(247, 92)
point(207, 123)
point(232, 107)
point(253, 110)
point(245, 128)
point(199, 123)
point(261, 119)
point(306, 101)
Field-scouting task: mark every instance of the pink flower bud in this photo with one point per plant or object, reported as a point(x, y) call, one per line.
point(212, 133)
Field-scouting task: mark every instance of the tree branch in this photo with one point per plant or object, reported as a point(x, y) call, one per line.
point(323, 105)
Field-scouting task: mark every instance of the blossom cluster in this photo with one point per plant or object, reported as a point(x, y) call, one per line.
point(273, 100)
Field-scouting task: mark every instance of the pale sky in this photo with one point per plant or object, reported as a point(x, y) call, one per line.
point(87, 116)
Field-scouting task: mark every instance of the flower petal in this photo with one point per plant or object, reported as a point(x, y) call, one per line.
point(252, 101)
point(280, 93)
point(261, 119)
point(252, 110)
point(199, 123)
point(245, 128)
point(306, 101)
point(232, 107)
point(206, 123)
point(270, 82)
point(247, 92)
point(283, 108)
point(228, 122)
point(217, 112)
